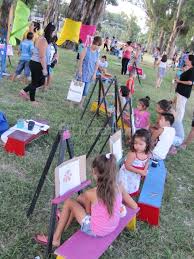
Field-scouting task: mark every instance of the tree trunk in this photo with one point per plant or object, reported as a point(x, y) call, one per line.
point(52, 12)
point(4, 17)
point(175, 30)
point(89, 12)
point(161, 39)
point(150, 38)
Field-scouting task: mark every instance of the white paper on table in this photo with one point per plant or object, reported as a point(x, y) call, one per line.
point(35, 130)
point(69, 177)
point(117, 149)
point(44, 127)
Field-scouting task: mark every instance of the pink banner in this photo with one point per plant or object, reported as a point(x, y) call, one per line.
point(87, 30)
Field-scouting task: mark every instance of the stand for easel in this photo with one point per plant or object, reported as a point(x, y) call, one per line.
point(64, 139)
point(114, 116)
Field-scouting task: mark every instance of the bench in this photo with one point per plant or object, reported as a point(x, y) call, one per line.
point(150, 199)
point(83, 246)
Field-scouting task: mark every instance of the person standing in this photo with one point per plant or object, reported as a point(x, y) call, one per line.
point(106, 44)
point(126, 57)
point(88, 65)
point(156, 56)
point(162, 68)
point(38, 64)
point(184, 87)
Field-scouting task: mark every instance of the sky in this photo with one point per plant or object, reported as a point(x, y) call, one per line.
point(128, 8)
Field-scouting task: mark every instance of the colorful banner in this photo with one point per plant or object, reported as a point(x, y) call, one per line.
point(70, 31)
point(22, 13)
point(87, 30)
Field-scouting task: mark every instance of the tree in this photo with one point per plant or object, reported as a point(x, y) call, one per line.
point(52, 12)
point(89, 12)
point(176, 28)
point(4, 11)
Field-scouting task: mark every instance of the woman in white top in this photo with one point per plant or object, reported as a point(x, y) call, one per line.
point(162, 67)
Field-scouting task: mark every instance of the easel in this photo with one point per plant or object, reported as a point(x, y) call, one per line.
point(114, 114)
point(63, 138)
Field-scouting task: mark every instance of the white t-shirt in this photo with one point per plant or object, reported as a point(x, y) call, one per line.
point(164, 143)
point(103, 64)
point(163, 64)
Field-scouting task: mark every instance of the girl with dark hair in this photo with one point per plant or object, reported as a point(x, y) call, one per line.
point(38, 64)
point(141, 115)
point(162, 67)
point(156, 56)
point(136, 164)
point(126, 57)
point(184, 87)
point(98, 210)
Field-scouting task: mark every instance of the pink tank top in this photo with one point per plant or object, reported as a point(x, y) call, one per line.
point(102, 223)
point(127, 54)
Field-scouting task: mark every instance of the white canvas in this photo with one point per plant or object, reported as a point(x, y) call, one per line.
point(69, 177)
point(117, 149)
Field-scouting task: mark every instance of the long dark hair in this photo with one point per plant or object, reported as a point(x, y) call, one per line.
point(165, 105)
point(191, 58)
point(145, 101)
point(164, 58)
point(145, 136)
point(106, 170)
point(50, 28)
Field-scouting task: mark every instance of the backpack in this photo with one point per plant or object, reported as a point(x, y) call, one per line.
point(3, 123)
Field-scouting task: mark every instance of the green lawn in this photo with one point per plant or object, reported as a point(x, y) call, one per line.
point(19, 176)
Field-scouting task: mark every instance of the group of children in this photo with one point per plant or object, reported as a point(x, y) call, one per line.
point(25, 52)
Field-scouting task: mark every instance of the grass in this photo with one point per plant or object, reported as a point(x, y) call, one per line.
point(19, 176)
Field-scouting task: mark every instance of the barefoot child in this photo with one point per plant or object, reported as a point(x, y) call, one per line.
point(98, 210)
point(162, 68)
point(136, 164)
point(25, 51)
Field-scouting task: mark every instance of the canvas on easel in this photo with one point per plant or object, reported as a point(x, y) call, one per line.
point(70, 174)
point(115, 143)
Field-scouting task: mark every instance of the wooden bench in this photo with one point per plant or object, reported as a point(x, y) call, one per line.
point(150, 199)
point(83, 246)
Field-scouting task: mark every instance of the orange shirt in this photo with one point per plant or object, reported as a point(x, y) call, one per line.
point(130, 85)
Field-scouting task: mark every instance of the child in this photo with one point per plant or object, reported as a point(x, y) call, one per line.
point(137, 161)
point(156, 56)
point(130, 82)
point(79, 49)
point(98, 210)
point(161, 70)
point(166, 136)
point(25, 51)
point(52, 60)
point(103, 64)
point(88, 65)
point(142, 116)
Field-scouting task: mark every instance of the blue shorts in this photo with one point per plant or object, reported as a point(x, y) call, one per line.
point(86, 226)
point(23, 65)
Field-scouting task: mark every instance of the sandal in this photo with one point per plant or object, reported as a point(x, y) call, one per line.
point(41, 239)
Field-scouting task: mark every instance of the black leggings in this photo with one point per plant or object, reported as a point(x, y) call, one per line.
point(125, 62)
point(106, 46)
point(38, 79)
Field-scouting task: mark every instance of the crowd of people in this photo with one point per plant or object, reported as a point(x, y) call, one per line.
point(98, 210)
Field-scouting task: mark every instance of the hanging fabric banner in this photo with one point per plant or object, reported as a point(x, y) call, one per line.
point(87, 30)
point(70, 31)
point(22, 13)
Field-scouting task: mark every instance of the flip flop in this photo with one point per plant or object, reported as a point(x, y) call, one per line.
point(41, 239)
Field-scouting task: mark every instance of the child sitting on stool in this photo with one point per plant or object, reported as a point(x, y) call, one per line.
point(166, 135)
